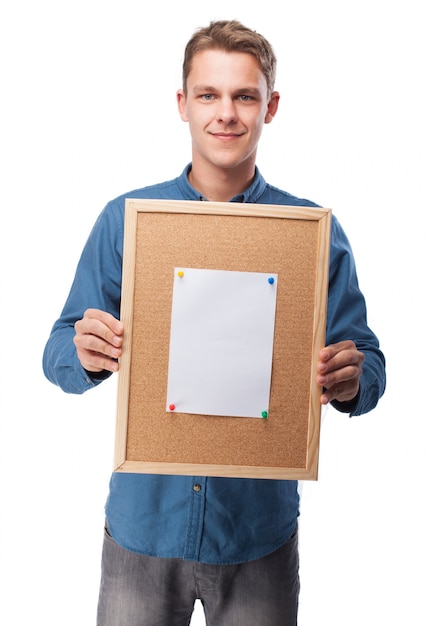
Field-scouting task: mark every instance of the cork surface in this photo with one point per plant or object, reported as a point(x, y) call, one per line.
point(287, 247)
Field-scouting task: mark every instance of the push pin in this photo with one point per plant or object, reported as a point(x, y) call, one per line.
point(264, 415)
point(181, 273)
point(172, 407)
point(271, 280)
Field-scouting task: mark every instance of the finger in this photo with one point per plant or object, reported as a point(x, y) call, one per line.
point(331, 351)
point(341, 392)
point(95, 354)
point(339, 376)
point(89, 342)
point(342, 360)
point(96, 362)
point(91, 327)
point(107, 319)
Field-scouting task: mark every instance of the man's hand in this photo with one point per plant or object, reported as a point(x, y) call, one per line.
point(98, 341)
point(339, 370)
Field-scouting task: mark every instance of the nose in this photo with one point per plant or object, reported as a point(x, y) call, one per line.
point(226, 112)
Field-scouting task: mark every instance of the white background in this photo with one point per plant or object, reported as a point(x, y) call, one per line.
point(88, 112)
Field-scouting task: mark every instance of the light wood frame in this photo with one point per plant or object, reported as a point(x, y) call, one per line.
point(292, 242)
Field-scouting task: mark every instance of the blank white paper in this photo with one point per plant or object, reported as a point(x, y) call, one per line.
point(221, 342)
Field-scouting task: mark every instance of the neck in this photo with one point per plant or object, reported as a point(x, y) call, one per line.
point(220, 185)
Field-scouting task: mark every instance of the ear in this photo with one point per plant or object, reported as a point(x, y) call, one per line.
point(272, 107)
point(181, 102)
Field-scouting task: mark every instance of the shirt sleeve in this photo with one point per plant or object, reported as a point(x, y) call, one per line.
point(97, 284)
point(347, 319)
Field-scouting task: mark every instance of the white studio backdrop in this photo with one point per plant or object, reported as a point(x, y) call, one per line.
point(88, 112)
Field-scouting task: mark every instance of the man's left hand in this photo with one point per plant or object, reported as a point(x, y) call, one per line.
point(338, 371)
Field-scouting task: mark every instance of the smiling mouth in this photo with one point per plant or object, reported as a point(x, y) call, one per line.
point(226, 136)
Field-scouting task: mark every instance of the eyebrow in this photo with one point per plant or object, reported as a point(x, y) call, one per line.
point(203, 89)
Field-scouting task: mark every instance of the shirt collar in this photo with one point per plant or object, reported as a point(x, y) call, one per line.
point(251, 194)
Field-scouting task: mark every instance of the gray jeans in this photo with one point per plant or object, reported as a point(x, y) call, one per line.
point(139, 590)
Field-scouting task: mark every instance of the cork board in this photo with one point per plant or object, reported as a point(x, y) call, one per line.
point(291, 242)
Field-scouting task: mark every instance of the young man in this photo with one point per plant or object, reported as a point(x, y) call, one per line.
point(172, 539)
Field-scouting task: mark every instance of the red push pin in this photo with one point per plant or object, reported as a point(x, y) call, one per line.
point(172, 407)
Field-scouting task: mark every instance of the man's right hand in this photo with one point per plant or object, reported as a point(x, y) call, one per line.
point(98, 341)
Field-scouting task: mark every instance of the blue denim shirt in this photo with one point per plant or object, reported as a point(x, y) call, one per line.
point(207, 519)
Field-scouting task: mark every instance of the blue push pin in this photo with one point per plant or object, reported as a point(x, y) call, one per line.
point(271, 280)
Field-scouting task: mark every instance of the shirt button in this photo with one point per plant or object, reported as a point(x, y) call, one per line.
point(196, 487)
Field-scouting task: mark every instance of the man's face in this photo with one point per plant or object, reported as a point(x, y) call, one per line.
point(226, 106)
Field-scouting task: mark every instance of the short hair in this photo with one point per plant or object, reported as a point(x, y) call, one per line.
point(231, 36)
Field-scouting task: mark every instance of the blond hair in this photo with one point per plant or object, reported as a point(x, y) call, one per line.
point(231, 36)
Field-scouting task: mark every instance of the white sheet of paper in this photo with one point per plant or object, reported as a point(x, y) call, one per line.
point(221, 342)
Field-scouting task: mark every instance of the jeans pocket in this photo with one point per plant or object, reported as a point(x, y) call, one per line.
point(107, 530)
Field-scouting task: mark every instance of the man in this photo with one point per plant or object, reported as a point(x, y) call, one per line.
point(169, 540)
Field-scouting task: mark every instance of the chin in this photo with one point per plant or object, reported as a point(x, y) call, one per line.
point(231, 162)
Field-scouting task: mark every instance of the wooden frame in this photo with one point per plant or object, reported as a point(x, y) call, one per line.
point(292, 242)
